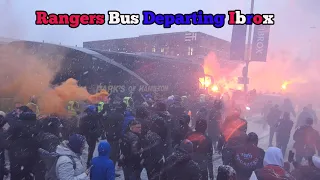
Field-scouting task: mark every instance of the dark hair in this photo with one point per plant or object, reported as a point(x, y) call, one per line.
point(133, 123)
point(309, 121)
point(142, 112)
point(28, 116)
point(51, 124)
point(286, 115)
point(253, 138)
point(158, 126)
point(185, 119)
point(160, 106)
point(123, 106)
point(25, 109)
point(201, 125)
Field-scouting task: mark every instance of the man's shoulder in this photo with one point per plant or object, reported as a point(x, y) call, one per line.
point(131, 136)
point(99, 160)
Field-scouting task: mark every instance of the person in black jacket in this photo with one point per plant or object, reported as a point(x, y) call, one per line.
point(202, 149)
point(272, 119)
point(214, 122)
point(180, 133)
point(113, 127)
point(23, 148)
point(90, 128)
point(153, 151)
point(283, 132)
point(177, 111)
point(13, 116)
point(161, 111)
point(233, 134)
point(247, 158)
point(131, 150)
point(180, 166)
point(48, 140)
point(3, 146)
point(142, 115)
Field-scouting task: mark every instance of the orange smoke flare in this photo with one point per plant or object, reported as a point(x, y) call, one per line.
point(98, 97)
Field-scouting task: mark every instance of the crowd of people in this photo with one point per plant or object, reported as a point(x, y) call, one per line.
point(158, 136)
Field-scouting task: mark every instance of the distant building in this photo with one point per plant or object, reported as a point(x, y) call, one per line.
point(6, 40)
point(190, 45)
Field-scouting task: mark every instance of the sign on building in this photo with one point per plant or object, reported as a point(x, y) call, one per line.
point(260, 42)
point(238, 42)
point(192, 36)
point(128, 89)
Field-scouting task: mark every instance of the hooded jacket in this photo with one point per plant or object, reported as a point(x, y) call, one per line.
point(23, 146)
point(202, 150)
point(180, 166)
point(246, 159)
point(64, 166)
point(90, 126)
point(128, 117)
point(113, 124)
point(169, 128)
point(273, 163)
point(102, 167)
point(303, 116)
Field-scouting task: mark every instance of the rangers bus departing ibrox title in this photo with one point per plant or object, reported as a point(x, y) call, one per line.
point(149, 18)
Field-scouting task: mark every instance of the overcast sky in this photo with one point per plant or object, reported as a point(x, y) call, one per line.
point(292, 30)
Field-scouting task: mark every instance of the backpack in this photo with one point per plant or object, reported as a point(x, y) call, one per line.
point(50, 160)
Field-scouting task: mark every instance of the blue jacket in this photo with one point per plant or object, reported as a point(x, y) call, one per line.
point(102, 167)
point(128, 117)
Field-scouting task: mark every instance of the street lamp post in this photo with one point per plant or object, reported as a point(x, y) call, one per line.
point(248, 54)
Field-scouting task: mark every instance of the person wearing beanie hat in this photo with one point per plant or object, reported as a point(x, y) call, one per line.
point(76, 143)
point(102, 166)
point(203, 149)
point(69, 164)
point(28, 116)
point(90, 127)
point(179, 165)
point(23, 145)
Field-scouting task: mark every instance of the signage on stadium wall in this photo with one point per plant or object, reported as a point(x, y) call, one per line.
point(140, 88)
point(190, 37)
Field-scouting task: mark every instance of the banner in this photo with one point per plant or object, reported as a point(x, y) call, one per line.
point(123, 88)
point(238, 42)
point(260, 42)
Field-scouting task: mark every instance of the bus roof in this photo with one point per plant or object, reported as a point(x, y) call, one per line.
point(150, 56)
